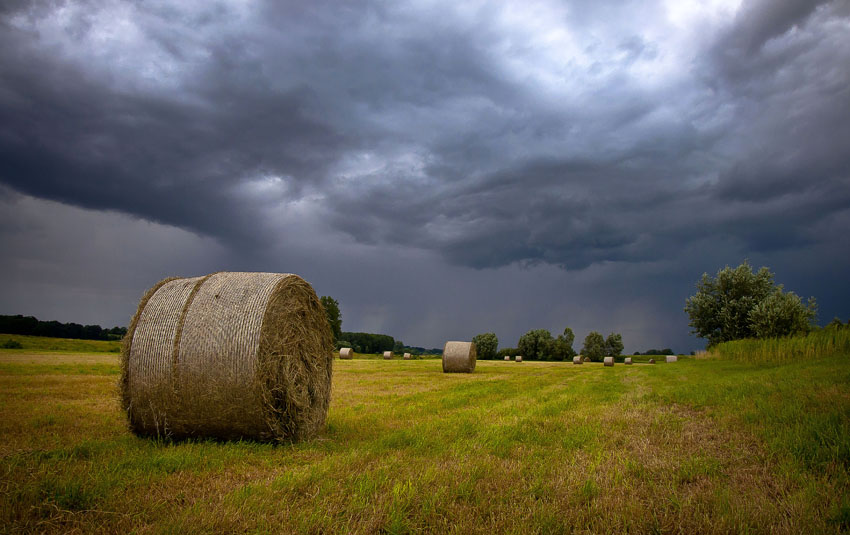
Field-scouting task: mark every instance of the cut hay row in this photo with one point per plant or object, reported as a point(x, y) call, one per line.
point(229, 355)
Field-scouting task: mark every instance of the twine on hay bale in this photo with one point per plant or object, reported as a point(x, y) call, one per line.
point(346, 353)
point(459, 357)
point(627, 360)
point(407, 356)
point(229, 355)
point(518, 358)
point(388, 355)
point(609, 361)
point(576, 360)
point(671, 358)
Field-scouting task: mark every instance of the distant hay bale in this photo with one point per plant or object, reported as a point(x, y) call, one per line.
point(586, 359)
point(652, 361)
point(388, 355)
point(609, 361)
point(576, 360)
point(228, 355)
point(627, 360)
point(507, 357)
point(459, 357)
point(407, 356)
point(346, 353)
point(518, 358)
point(671, 358)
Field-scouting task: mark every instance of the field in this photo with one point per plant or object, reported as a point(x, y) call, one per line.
point(700, 446)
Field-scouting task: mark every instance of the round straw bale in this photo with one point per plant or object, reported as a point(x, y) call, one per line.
point(346, 353)
point(407, 356)
point(671, 358)
point(518, 358)
point(229, 355)
point(576, 360)
point(627, 360)
point(459, 357)
point(586, 359)
point(609, 361)
point(652, 361)
point(507, 357)
point(388, 355)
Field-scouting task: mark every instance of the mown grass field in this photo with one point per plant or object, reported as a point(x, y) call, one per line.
point(699, 446)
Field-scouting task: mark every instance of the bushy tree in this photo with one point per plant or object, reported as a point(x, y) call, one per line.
point(486, 345)
point(594, 346)
point(535, 344)
point(561, 348)
point(507, 352)
point(721, 309)
point(835, 324)
point(331, 307)
point(613, 345)
point(398, 347)
point(782, 314)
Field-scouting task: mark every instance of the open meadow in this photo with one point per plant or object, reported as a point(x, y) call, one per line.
point(705, 445)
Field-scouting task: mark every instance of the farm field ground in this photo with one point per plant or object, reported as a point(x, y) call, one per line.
point(698, 446)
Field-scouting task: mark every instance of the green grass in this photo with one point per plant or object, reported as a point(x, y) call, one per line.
point(817, 344)
point(699, 446)
point(40, 343)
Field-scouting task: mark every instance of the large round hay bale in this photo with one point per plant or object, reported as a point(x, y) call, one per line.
point(388, 355)
point(229, 355)
point(576, 360)
point(507, 357)
point(671, 358)
point(459, 357)
point(346, 353)
point(518, 358)
point(652, 361)
point(627, 360)
point(407, 356)
point(609, 361)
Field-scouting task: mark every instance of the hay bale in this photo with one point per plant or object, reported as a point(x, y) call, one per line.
point(507, 357)
point(407, 356)
point(388, 355)
point(459, 357)
point(229, 355)
point(346, 353)
point(627, 360)
point(671, 358)
point(586, 359)
point(652, 361)
point(576, 360)
point(609, 361)
point(518, 358)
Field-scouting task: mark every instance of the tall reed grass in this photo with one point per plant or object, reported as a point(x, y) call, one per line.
point(817, 344)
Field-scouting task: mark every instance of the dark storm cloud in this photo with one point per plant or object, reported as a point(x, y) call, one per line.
point(486, 135)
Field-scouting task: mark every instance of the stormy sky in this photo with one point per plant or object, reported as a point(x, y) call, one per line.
point(442, 169)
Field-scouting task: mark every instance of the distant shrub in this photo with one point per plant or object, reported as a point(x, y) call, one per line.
point(12, 344)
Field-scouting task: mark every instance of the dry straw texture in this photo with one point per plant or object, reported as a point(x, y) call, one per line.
point(671, 358)
point(507, 358)
point(388, 355)
point(459, 357)
point(609, 361)
point(229, 355)
point(518, 358)
point(407, 356)
point(576, 360)
point(346, 353)
point(627, 360)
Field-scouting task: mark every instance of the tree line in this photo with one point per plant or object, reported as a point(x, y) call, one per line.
point(539, 344)
point(31, 326)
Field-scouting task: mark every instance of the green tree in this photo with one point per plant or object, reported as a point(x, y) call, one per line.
point(594, 346)
point(398, 347)
point(561, 348)
point(535, 344)
point(614, 345)
point(486, 345)
point(834, 324)
point(721, 309)
point(782, 314)
point(331, 307)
